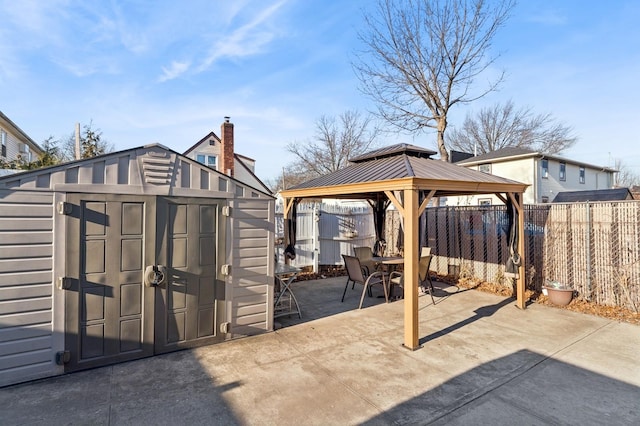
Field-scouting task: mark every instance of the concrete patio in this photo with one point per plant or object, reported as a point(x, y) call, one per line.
point(483, 361)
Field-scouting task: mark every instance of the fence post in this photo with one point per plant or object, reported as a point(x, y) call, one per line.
point(316, 236)
point(588, 246)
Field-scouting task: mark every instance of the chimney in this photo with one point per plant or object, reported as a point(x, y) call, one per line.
point(226, 156)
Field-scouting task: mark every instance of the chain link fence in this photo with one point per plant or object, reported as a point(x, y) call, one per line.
point(592, 247)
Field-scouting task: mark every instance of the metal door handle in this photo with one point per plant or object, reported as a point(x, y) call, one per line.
point(155, 275)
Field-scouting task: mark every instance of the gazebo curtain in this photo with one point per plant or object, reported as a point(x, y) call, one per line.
point(379, 218)
point(515, 260)
point(290, 232)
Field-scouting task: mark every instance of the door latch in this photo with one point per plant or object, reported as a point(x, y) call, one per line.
point(155, 275)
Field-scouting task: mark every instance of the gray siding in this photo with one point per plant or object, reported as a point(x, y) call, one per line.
point(252, 249)
point(26, 270)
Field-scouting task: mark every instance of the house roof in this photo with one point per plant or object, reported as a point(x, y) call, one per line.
point(213, 135)
point(242, 164)
point(37, 148)
point(404, 161)
point(516, 153)
point(616, 194)
point(204, 139)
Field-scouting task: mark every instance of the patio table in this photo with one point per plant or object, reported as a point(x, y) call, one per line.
point(285, 302)
point(392, 263)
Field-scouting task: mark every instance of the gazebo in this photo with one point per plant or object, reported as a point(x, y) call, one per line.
point(408, 177)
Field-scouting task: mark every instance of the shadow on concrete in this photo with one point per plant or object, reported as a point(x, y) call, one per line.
point(171, 388)
point(521, 388)
point(482, 312)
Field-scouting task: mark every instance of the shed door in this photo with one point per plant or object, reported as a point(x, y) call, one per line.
point(110, 314)
point(189, 307)
point(108, 310)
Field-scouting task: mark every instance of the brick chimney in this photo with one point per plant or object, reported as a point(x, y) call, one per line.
point(226, 155)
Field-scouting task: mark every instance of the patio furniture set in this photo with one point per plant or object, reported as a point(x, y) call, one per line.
point(362, 268)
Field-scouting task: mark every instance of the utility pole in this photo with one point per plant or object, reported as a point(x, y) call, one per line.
point(77, 141)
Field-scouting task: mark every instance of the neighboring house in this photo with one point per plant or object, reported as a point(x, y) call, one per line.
point(547, 175)
point(219, 154)
point(15, 143)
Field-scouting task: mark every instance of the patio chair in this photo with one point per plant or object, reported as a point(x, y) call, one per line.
point(356, 275)
point(424, 276)
point(396, 279)
point(365, 256)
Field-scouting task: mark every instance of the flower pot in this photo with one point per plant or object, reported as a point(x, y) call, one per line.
point(559, 296)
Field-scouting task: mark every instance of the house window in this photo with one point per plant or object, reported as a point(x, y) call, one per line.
point(209, 160)
point(25, 152)
point(545, 169)
point(485, 168)
point(581, 174)
point(563, 171)
point(545, 199)
point(484, 202)
point(3, 139)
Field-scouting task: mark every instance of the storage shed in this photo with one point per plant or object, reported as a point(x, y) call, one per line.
point(128, 255)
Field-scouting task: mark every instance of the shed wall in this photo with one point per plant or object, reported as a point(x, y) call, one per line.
point(252, 246)
point(26, 290)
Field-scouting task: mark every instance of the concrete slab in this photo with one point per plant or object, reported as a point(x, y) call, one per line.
point(482, 362)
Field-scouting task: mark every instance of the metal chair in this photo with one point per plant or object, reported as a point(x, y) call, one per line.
point(397, 278)
point(424, 276)
point(356, 274)
point(365, 256)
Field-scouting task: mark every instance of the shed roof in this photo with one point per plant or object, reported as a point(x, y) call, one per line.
point(615, 194)
point(151, 169)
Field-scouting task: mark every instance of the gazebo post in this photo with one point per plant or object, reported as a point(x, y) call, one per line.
point(411, 243)
point(520, 284)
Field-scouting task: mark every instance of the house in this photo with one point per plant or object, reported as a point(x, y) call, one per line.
point(127, 255)
point(547, 175)
point(219, 154)
point(16, 143)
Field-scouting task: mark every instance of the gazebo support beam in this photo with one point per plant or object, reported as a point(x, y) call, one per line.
point(516, 199)
point(411, 252)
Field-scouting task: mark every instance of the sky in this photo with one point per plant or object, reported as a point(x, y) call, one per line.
point(168, 72)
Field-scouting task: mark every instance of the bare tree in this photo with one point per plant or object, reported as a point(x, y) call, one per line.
point(625, 177)
point(336, 140)
point(422, 57)
point(502, 126)
point(292, 175)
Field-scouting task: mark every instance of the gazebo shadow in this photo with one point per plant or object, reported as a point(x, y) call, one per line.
point(482, 312)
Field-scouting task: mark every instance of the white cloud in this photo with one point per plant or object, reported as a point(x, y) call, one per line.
point(176, 70)
point(249, 39)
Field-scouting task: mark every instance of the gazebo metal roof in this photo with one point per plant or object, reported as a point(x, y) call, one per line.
point(408, 176)
point(401, 162)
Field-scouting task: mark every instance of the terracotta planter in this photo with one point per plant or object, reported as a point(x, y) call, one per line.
point(559, 296)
